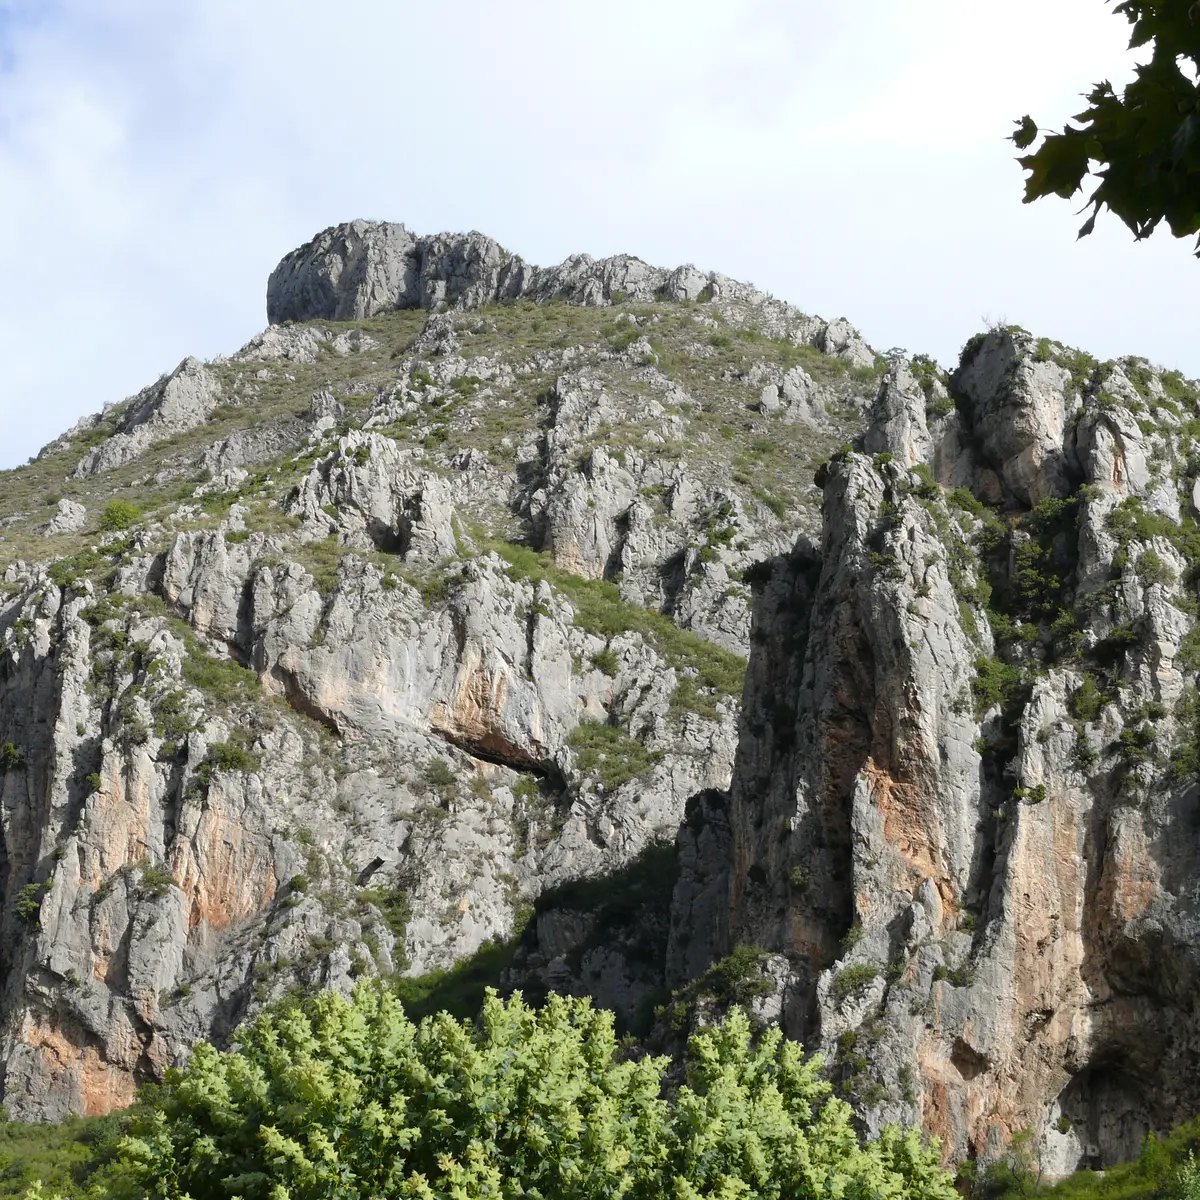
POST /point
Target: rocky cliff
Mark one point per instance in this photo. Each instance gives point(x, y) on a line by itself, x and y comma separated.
point(620, 631)
point(971, 827)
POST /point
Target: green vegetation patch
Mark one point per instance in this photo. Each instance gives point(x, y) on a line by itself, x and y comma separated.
point(1087, 700)
point(1185, 754)
point(610, 755)
point(63, 1157)
point(228, 757)
point(600, 610)
point(329, 1097)
point(29, 901)
point(852, 980)
point(322, 561)
point(395, 908)
point(735, 981)
point(222, 680)
point(460, 990)
point(996, 683)
point(71, 571)
point(119, 515)
point(1131, 522)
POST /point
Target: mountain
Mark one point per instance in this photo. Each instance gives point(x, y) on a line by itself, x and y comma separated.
point(624, 632)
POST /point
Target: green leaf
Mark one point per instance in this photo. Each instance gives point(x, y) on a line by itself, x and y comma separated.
point(1026, 133)
point(1058, 166)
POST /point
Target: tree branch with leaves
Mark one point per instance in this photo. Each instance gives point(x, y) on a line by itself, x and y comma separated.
point(1143, 145)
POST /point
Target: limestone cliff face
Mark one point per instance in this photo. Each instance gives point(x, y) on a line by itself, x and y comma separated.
point(485, 613)
point(971, 827)
point(429, 624)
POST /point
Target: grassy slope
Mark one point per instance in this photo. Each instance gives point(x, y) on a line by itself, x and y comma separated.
point(722, 431)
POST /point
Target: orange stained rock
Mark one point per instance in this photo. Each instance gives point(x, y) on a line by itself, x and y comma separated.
point(118, 825)
point(1131, 879)
point(911, 825)
point(104, 1086)
point(220, 873)
point(476, 712)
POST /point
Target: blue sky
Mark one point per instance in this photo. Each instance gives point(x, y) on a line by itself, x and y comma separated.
point(156, 161)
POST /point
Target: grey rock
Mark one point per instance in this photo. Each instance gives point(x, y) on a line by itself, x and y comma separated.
point(344, 274)
point(353, 271)
point(769, 401)
point(176, 403)
point(699, 929)
point(69, 517)
point(1112, 451)
point(1019, 414)
point(382, 501)
point(250, 447)
point(795, 395)
point(897, 422)
point(302, 344)
point(841, 339)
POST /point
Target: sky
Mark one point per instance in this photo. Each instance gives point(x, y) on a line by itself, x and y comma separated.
point(157, 160)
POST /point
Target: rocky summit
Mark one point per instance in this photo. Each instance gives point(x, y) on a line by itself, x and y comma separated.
point(622, 632)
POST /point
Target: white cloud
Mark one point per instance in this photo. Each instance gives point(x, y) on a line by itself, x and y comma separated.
point(157, 160)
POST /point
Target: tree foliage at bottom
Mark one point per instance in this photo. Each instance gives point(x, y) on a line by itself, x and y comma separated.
point(346, 1098)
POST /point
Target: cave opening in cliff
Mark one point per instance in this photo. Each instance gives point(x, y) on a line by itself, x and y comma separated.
point(390, 539)
point(1105, 1108)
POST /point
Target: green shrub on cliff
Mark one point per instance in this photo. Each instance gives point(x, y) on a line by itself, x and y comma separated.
point(119, 515)
point(610, 755)
point(347, 1098)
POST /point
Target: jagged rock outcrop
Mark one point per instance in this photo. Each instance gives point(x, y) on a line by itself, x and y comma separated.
point(176, 403)
point(898, 424)
point(353, 271)
point(376, 497)
point(69, 517)
point(1018, 406)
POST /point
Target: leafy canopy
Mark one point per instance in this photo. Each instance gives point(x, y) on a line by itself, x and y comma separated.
point(1145, 143)
point(348, 1098)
